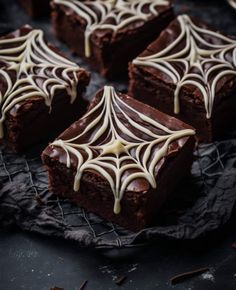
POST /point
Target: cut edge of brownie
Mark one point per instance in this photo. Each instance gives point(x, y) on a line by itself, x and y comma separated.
point(35, 116)
point(139, 210)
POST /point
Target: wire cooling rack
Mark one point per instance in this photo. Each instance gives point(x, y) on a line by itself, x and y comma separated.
point(205, 201)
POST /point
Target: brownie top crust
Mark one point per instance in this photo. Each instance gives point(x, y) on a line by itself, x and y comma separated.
point(121, 140)
point(192, 58)
point(31, 69)
point(106, 19)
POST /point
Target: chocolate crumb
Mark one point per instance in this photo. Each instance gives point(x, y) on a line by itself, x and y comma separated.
point(184, 276)
point(82, 287)
point(120, 280)
point(234, 246)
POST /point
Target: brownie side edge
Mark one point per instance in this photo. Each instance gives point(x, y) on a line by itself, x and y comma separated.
point(32, 122)
point(139, 209)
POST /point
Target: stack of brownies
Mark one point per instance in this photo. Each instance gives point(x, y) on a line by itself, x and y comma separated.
point(124, 157)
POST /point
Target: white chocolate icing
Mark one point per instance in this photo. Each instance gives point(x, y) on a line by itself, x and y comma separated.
point(232, 3)
point(112, 14)
point(30, 60)
point(119, 153)
point(204, 62)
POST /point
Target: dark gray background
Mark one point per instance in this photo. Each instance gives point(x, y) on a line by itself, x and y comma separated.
point(30, 261)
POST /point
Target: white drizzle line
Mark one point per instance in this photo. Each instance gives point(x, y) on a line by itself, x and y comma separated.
point(115, 155)
point(30, 59)
point(207, 59)
point(120, 12)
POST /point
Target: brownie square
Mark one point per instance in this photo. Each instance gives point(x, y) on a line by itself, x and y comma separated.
point(189, 72)
point(40, 90)
point(109, 34)
point(36, 8)
point(121, 160)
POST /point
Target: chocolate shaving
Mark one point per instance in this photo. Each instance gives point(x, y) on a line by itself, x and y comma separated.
point(234, 246)
point(39, 200)
point(187, 275)
point(120, 280)
point(82, 287)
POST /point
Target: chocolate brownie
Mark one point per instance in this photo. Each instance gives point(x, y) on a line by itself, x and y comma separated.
point(109, 34)
point(40, 90)
point(121, 160)
point(189, 72)
point(36, 8)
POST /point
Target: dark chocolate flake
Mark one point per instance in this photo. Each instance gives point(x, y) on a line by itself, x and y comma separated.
point(187, 275)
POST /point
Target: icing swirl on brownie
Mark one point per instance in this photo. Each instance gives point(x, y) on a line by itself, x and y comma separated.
point(29, 68)
point(121, 151)
point(205, 58)
point(112, 14)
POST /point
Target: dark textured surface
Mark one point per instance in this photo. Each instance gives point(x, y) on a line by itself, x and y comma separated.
point(36, 262)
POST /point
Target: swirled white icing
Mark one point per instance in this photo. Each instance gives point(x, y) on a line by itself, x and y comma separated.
point(29, 68)
point(119, 148)
point(111, 14)
point(205, 62)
